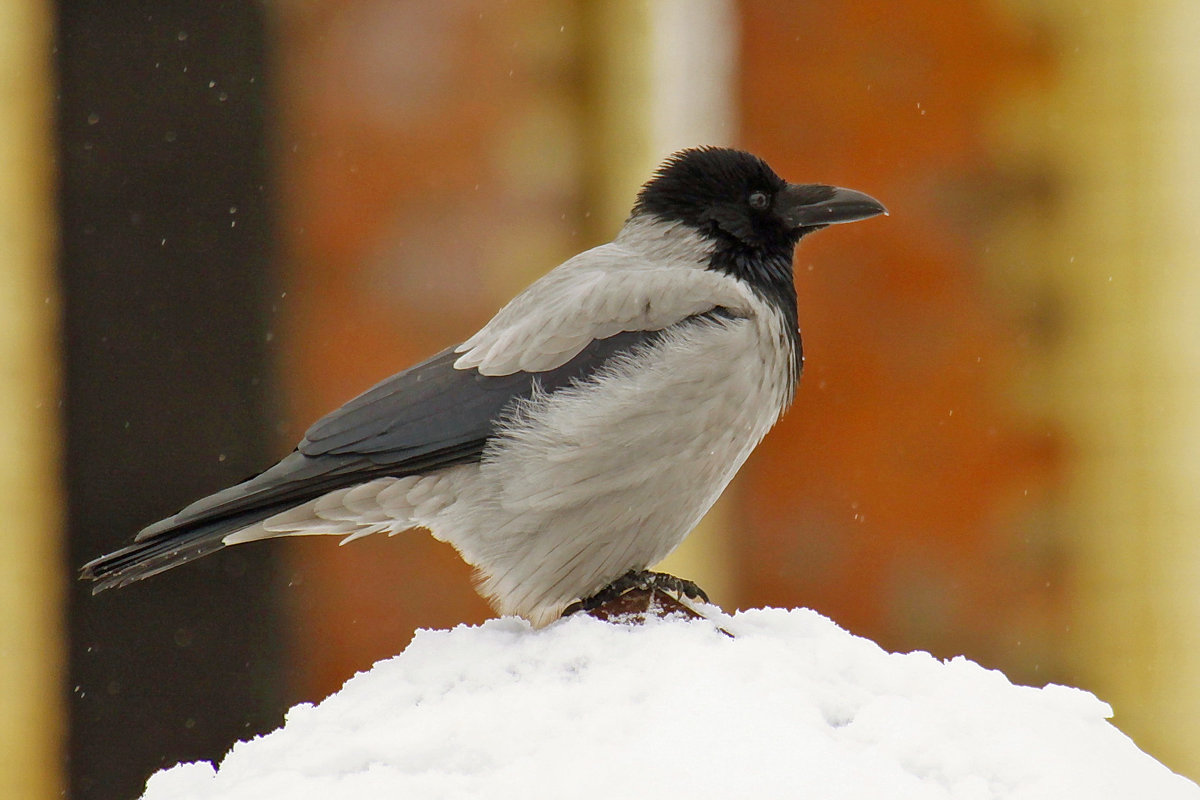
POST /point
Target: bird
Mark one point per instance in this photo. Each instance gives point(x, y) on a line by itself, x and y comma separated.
point(581, 434)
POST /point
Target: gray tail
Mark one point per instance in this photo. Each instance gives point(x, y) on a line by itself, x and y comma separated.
point(169, 549)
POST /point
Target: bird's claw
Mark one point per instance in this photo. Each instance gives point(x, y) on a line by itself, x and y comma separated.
point(638, 579)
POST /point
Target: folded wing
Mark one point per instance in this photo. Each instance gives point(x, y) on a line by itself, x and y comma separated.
point(442, 412)
point(426, 418)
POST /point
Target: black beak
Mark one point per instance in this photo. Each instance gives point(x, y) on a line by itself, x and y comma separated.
point(815, 205)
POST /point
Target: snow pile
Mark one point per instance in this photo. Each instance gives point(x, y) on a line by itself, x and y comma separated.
point(790, 706)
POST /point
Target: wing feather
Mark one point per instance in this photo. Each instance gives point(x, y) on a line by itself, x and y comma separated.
point(604, 291)
point(426, 418)
point(442, 412)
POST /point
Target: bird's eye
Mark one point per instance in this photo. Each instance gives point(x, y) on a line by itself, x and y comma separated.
point(759, 200)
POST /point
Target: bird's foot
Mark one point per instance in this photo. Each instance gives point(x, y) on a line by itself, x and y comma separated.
point(664, 582)
point(639, 587)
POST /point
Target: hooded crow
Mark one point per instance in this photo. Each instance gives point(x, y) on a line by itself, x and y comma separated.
point(583, 431)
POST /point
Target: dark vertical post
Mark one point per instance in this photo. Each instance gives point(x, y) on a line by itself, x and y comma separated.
point(167, 290)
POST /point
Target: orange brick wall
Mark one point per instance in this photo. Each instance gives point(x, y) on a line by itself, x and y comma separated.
point(430, 167)
point(427, 161)
point(905, 495)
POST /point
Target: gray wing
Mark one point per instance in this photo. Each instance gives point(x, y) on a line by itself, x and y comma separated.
point(426, 418)
point(434, 415)
point(442, 412)
point(606, 290)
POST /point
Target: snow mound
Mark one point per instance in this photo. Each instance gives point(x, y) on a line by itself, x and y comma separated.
point(789, 706)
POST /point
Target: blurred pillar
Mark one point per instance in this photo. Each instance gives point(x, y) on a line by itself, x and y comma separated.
point(166, 275)
point(31, 649)
point(662, 76)
point(1122, 125)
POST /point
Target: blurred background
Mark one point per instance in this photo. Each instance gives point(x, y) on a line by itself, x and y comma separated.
point(220, 220)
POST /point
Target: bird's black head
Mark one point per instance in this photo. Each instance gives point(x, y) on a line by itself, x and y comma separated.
point(753, 216)
point(724, 193)
point(736, 198)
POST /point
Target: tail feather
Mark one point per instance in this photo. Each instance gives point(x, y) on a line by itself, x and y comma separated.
point(168, 549)
point(202, 527)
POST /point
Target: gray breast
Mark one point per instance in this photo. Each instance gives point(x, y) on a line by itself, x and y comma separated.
point(581, 485)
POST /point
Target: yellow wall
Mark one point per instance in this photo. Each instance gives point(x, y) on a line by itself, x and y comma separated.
point(30, 547)
point(661, 77)
point(1119, 254)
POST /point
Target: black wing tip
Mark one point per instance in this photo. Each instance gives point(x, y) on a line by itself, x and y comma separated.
point(104, 583)
point(157, 554)
point(98, 568)
point(118, 568)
